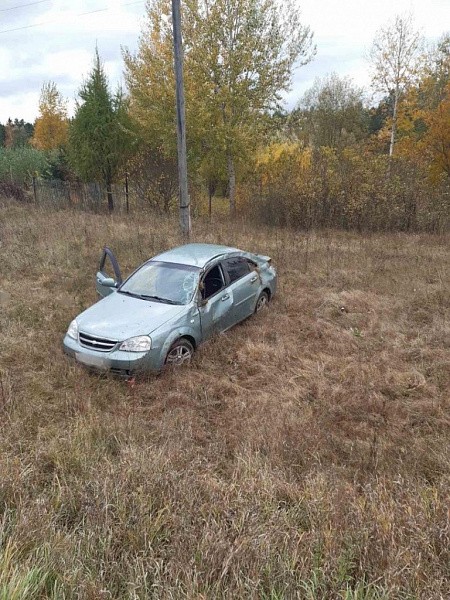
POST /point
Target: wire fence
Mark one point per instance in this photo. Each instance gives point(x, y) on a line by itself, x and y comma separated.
point(91, 197)
point(385, 208)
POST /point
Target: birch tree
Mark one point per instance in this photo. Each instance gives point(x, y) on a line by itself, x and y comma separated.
point(331, 112)
point(253, 46)
point(394, 55)
point(239, 60)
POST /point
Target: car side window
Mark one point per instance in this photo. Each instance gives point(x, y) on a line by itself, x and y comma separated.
point(236, 267)
point(212, 282)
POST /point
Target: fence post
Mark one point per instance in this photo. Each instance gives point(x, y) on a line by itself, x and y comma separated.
point(126, 192)
point(34, 189)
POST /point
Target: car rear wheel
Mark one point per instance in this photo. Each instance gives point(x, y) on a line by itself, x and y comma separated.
point(180, 353)
point(262, 301)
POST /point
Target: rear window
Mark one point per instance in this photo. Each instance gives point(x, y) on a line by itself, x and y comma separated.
point(236, 268)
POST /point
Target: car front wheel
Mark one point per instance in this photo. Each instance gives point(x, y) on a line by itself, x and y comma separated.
point(180, 353)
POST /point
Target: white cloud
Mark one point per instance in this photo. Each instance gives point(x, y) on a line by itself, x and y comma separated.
point(61, 48)
point(344, 31)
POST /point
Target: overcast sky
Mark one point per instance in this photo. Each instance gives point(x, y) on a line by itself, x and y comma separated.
point(52, 40)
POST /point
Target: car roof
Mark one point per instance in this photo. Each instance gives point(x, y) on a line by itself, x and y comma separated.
point(196, 255)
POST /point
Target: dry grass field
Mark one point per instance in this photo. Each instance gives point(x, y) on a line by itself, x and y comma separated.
point(303, 454)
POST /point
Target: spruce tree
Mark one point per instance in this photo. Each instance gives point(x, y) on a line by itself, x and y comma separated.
point(99, 136)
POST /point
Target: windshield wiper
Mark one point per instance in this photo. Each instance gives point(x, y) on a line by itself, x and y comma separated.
point(158, 299)
point(129, 294)
point(147, 297)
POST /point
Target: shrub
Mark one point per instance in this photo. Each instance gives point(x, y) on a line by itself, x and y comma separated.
point(18, 165)
point(350, 189)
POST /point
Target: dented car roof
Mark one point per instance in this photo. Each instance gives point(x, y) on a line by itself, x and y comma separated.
point(196, 255)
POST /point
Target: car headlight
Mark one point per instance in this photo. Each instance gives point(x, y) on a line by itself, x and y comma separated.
point(141, 343)
point(73, 330)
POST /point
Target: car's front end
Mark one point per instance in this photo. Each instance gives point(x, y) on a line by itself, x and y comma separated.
point(122, 357)
point(126, 334)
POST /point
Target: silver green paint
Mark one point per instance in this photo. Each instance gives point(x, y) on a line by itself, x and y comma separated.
point(118, 317)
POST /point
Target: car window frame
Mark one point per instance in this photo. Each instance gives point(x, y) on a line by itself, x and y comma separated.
point(224, 279)
point(108, 253)
point(252, 267)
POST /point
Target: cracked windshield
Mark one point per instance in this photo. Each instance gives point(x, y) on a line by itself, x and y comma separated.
point(163, 282)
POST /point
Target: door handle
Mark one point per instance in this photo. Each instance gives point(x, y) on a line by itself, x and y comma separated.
point(253, 279)
point(225, 297)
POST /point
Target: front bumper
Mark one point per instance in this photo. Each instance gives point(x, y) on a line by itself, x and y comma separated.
point(116, 361)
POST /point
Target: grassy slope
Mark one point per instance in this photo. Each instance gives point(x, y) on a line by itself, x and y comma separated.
point(304, 454)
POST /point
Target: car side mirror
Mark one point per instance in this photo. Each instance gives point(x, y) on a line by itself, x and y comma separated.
point(106, 281)
point(110, 282)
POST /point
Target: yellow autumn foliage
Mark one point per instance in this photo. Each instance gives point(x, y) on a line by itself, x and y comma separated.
point(275, 159)
point(51, 127)
point(437, 137)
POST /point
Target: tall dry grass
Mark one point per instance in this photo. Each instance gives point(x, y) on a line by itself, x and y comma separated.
point(304, 454)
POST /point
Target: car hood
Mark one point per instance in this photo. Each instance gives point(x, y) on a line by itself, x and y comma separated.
point(119, 317)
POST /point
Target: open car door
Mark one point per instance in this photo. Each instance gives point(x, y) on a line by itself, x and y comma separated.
point(108, 277)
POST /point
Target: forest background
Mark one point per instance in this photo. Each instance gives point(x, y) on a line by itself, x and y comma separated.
point(343, 157)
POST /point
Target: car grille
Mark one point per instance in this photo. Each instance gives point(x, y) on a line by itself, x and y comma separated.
point(96, 343)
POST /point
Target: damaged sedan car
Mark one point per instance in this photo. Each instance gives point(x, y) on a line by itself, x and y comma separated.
point(161, 313)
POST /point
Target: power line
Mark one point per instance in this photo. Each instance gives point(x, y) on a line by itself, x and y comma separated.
point(22, 5)
point(25, 27)
point(56, 21)
point(91, 12)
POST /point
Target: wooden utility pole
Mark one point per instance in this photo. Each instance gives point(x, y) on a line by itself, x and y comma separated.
point(185, 212)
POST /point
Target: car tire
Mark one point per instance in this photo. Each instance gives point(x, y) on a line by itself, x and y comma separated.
point(180, 353)
point(263, 300)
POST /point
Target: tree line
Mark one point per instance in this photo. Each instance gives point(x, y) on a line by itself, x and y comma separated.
point(338, 158)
